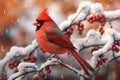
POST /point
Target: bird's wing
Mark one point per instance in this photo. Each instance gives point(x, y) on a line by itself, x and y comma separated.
point(56, 36)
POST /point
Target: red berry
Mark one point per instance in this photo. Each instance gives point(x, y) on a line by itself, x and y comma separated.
point(116, 49)
point(71, 29)
point(97, 17)
point(35, 78)
point(16, 63)
point(48, 69)
point(42, 75)
point(93, 19)
point(101, 30)
point(104, 59)
point(80, 28)
point(100, 62)
point(68, 30)
point(67, 36)
point(11, 65)
point(26, 58)
point(65, 33)
point(29, 61)
point(102, 23)
point(77, 23)
point(34, 59)
point(81, 25)
point(116, 43)
point(90, 20)
point(101, 20)
point(112, 48)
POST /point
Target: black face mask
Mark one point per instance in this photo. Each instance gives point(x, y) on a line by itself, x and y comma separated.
point(41, 23)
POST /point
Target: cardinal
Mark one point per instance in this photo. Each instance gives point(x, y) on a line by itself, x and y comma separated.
point(52, 40)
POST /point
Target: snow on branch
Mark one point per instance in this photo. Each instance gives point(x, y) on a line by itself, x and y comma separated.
point(112, 15)
point(85, 10)
point(105, 44)
point(94, 39)
point(16, 52)
point(26, 68)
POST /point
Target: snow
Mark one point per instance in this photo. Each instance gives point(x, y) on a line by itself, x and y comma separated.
point(25, 66)
point(13, 76)
point(92, 34)
point(17, 51)
point(112, 15)
point(49, 62)
point(79, 15)
point(92, 39)
point(97, 9)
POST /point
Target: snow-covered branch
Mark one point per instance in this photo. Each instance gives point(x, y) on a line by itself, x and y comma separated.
point(26, 68)
point(106, 40)
point(85, 10)
point(16, 53)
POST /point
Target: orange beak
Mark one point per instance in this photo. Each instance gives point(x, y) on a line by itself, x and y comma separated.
point(35, 23)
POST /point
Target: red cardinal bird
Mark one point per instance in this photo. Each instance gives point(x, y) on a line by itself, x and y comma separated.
point(51, 39)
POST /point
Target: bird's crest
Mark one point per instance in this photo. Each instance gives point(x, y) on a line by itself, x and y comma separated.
point(43, 15)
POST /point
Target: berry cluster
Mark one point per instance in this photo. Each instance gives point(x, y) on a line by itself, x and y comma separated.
point(3, 77)
point(114, 46)
point(32, 59)
point(68, 32)
point(42, 74)
point(97, 18)
point(80, 27)
point(102, 59)
point(14, 64)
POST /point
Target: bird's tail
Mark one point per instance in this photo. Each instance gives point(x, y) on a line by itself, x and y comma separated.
point(83, 64)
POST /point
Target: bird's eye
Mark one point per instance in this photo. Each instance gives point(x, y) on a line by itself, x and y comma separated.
point(40, 24)
point(40, 21)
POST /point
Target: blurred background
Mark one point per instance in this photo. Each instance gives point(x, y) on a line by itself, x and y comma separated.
point(17, 17)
